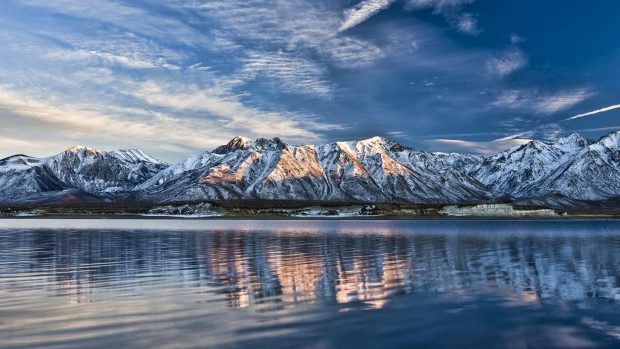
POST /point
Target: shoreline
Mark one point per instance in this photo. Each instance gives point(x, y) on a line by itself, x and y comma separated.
point(310, 218)
point(307, 211)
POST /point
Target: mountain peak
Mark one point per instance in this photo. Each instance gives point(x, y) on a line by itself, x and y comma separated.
point(573, 138)
point(234, 144)
point(611, 140)
point(134, 156)
point(80, 148)
point(269, 144)
point(18, 162)
point(239, 143)
point(376, 139)
point(383, 142)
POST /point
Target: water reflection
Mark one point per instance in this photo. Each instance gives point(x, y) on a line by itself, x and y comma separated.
point(268, 270)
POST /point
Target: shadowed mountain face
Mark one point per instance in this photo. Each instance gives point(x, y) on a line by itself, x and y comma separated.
point(77, 174)
point(97, 171)
point(374, 170)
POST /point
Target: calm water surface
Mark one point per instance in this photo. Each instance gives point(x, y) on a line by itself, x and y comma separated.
point(309, 284)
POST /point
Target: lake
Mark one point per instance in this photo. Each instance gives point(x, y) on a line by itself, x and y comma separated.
point(170, 283)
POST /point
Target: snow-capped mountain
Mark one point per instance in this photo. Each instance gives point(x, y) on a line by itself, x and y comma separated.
point(568, 171)
point(517, 171)
point(592, 174)
point(78, 168)
point(22, 176)
point(97, 171)
point(374, 169)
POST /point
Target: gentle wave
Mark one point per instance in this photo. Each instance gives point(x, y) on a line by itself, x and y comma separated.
point(231, 283)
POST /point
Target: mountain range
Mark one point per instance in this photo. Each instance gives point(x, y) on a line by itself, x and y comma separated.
point(567, 171)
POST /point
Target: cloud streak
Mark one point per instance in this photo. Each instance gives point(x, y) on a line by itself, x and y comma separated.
point(292, 74)
point(152, 125)
point(481, 148)
point(594, 112)
point(230, 111)
point(536, 102)
point(364, 10)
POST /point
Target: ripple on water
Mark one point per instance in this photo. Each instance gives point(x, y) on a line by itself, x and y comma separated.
point(325, 284)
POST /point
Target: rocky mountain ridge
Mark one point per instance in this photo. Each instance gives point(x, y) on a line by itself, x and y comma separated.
point(377, 169)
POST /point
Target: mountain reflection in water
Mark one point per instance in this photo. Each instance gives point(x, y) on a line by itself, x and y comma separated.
point(352, 266)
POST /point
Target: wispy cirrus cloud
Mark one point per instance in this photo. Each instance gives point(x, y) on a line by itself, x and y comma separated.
point(292, 74)
point(542, 103)
point(229, 111)
point(93, 123)
point(130, 60)
point(520, 135)
point(561, 101)
point(506, 63)
point(352, 53)
point(153, 125)
point(594, 112)
point(362, 11)
point(222, 68)
point(452, 11)
point(478, 147)
point(124, 18)
point(294, 26)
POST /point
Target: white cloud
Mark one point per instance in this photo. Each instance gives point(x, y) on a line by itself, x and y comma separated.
point(127, 19)
point(209, 106)
point(190, 130)
point(293, 74)
point(131, 60)
point(438, 6)
point(467, 23)
point(594, 112)
point(535, 102)
point(77, 120)
point(11, 145)
point(352, 53)
point(520, 135)
point(506, 63)
point(561, 101)
point(364, 10)
point(482, 148)
point(218, 102)
point(451, 10)
point(293, 25)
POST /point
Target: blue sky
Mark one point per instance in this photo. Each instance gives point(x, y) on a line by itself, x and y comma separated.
point(178, 77)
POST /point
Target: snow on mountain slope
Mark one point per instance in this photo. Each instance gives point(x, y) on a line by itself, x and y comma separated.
point(385, 170)
point(571, 169)
point(375, 169)
point(97, 171)
point(135, 156)
point(228, 175)
point(22, 175)
point(463, 162)
point(242, 143)
point(18, 162)
point(593, 173)
point(89, 171)
point(515, 171)
point(207, 159)
point(201, 160)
